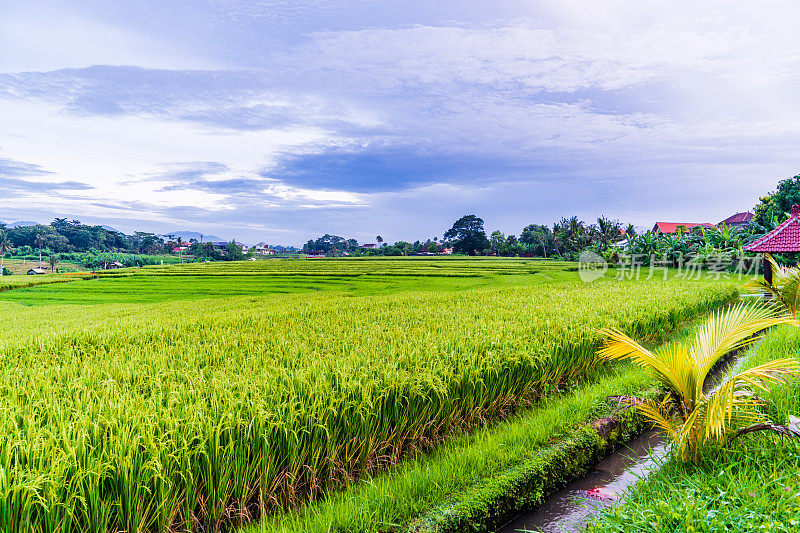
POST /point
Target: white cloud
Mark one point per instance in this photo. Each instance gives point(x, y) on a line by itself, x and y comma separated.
point(563, 103)
point(37, 37)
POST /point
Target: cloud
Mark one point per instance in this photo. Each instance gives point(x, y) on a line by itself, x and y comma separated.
point(9, 167)
point(12, 183)
point(377, 113)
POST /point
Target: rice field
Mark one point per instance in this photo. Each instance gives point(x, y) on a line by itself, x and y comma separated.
point(201, 396)
point(16, 282)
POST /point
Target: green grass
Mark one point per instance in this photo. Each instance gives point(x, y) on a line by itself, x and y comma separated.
point(197, 410)
point(752, 485)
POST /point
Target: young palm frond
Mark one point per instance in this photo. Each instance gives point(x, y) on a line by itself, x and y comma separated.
point(688, 416)
point(784, 289)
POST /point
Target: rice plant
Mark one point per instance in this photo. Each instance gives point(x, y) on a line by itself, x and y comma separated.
point(197, 415)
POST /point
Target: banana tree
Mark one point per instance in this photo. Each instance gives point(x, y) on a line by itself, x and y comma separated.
point(688, 416)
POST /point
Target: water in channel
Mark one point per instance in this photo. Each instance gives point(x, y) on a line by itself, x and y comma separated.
point(571, 508)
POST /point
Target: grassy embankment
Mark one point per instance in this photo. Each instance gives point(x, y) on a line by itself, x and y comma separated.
point(752, 485)
point(199, 410)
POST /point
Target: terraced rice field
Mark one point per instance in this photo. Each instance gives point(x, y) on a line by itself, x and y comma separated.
point(196, 397)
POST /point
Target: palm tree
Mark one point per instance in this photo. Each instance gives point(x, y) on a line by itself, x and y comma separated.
point(40, 240)
point(379, 239)
point(180, 243)
point(54, 260)
point(688, 416)
point(785, 286)
point(608, 231)
point(5, 246)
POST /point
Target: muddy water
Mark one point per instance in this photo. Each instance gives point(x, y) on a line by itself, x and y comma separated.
point(571, 508)
point(583, 499)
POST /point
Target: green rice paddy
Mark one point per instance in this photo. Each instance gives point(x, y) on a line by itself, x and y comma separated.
point(196, 397)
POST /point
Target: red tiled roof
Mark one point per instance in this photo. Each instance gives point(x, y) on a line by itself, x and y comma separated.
point(738, 218)
point(784, 238)
point(672, 227)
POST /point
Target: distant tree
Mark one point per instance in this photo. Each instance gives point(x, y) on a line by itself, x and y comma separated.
point(331, 244)
point(179, 242)
point(538, 238)
point(572, 235)
point(233, 251)
point(40, 240)
point(497, 243)
point(778, 203)
point(54, 260)
point(630, 231)
point(379, 239)
point(468, 235)
point(5, 246)
point(608, 231)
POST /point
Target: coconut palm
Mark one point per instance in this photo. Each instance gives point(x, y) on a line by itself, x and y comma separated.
point(784, 289)
point(40, 240)
point(54, 260)
point(5, 246)
point(608, 231)
point(688, 416)
point(179, 243)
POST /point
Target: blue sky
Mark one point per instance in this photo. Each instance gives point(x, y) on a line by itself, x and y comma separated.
point(282, 120)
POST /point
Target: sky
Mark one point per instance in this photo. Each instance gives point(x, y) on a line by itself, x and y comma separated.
point(282, 120)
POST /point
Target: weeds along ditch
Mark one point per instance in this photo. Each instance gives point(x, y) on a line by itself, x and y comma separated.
point(196, 415)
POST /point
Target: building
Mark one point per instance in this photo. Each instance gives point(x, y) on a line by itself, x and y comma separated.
point(113, 265)
point(36, 271)
point(739, 220)
point(673, 227)
point(263, 248)
point(369, 246)
point(315, 255)
point(785, 238)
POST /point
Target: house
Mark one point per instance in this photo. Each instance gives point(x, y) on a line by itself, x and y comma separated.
point(739, 220)
point(447, 251)
point(672, 227)
point(783, 239)
point(369, 246)
point(113, 265)
point(36, 271)
point(315, 255)
point(263, 248)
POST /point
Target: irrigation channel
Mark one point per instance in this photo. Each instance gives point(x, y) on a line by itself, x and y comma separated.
point(571, 508)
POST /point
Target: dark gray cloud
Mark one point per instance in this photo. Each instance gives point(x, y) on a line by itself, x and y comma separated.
point(389, 168)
